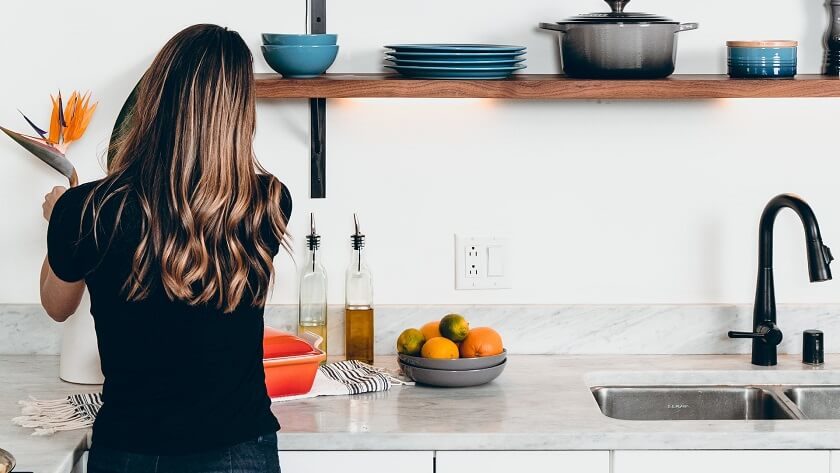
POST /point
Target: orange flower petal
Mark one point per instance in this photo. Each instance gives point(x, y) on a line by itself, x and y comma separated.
point(78, 115)
point(70, 117)
point(55, 126)
point(83, 124)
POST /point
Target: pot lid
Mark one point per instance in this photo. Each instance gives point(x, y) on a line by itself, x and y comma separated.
point(618, 15)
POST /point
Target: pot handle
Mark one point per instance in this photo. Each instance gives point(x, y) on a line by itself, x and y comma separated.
point(553, 27)
point(688, 27)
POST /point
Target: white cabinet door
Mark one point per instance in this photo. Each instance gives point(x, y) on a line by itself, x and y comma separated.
point(357, 462)
point(522, 462)
point(719, 461)
point(835, 461)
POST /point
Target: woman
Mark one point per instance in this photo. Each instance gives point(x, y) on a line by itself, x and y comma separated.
point(175, 246)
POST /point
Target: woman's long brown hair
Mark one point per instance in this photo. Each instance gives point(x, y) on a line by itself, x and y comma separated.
point(186, 155)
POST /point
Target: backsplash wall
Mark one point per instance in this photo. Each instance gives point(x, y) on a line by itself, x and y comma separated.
point(555, 329)
point(606, 202)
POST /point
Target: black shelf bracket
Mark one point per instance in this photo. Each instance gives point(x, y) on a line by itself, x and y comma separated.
point(318, 115)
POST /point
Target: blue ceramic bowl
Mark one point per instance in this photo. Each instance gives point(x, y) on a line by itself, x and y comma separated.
point(762, 59)
point(300, 62)
point(278, 39)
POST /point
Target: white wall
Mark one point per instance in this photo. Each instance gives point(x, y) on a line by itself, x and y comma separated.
point(608, 202)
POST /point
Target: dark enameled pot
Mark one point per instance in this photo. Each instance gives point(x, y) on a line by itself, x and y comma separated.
point(619, 44)
point(619, 50)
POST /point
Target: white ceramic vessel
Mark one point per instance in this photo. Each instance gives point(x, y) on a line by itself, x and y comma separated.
point(79, 352)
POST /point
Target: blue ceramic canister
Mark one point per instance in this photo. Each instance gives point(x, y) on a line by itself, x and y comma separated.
point(762, 59)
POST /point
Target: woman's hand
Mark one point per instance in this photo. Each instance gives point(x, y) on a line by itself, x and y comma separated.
point(50, 200)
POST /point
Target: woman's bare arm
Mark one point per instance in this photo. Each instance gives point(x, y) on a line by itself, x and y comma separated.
point(59, 298)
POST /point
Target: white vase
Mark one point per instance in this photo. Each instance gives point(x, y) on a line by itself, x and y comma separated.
point(79, 361)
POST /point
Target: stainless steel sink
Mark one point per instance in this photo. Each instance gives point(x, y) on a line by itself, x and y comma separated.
point(816, 402)
point(691, 403)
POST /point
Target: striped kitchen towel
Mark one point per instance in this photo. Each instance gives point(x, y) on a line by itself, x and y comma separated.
point(76, 411)
point(349, 377)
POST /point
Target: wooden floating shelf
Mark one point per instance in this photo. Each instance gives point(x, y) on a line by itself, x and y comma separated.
point(546, 86)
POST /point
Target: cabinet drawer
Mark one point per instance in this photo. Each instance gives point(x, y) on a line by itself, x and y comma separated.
point(356, 462)
point(719, 461)
point(522, 462)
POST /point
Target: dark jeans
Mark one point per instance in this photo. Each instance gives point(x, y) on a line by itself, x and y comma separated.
point(254, 456)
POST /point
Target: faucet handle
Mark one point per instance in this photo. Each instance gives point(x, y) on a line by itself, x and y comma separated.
point(768, 333)
point(827, 254)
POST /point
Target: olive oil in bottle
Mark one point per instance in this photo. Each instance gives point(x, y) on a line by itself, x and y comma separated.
point(358, 307)
point(312, 307)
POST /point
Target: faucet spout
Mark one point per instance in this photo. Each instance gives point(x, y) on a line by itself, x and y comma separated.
point(819, 255)
point(766, 336)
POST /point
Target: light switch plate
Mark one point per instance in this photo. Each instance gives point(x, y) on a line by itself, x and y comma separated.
point(482, 262)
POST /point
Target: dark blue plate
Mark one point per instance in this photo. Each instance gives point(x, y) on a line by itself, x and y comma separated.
point(456, 62)
point(419, 56)
point(456, 48)
point(418, 72)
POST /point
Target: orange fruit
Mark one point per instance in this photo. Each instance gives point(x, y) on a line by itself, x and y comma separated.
point(482, 341)
point(440, 348)
point(410, 342)
point(454, 327)
point(431, 330)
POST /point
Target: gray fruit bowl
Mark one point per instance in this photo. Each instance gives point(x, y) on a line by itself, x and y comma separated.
point(7, 461)
point(453, 379)
point(459, 364)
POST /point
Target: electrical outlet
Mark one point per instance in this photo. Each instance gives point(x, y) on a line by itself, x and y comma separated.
point(472, 262)
point(482, 262)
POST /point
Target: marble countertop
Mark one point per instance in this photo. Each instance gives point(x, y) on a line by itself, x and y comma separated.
point(544, 403)
point(539, 403)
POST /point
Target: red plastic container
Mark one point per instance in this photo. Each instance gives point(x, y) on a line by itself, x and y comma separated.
point(290, 363)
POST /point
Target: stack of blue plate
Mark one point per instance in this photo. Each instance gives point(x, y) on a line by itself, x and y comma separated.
point(455, 61)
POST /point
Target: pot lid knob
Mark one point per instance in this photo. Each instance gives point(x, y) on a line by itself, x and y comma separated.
point(617, 5)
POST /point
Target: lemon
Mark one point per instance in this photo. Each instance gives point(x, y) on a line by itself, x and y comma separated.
point(454, 327)
point(410, 342)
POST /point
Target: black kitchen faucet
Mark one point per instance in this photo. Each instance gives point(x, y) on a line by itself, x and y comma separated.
point(766, 336)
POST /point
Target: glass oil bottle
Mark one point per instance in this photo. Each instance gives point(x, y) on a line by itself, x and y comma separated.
point(358, 307)
point(312, 306)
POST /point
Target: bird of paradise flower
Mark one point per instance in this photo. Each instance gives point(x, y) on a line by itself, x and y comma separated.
point(67, 124)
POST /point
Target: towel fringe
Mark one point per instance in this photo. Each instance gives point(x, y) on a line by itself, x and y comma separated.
point(50, 416)
point(392, 375)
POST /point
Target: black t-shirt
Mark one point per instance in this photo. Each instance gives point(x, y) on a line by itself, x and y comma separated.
point(179, 379)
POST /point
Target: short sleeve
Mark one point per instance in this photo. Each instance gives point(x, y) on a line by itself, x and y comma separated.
point(286, 202)
point(69, 251)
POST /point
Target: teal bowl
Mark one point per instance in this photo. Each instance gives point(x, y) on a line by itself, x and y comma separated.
point(300, 62)
point(279, 39)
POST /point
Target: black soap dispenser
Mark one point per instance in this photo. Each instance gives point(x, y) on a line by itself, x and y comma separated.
point(813, 347)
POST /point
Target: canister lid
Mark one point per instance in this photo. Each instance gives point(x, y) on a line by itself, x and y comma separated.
point(770, 43)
